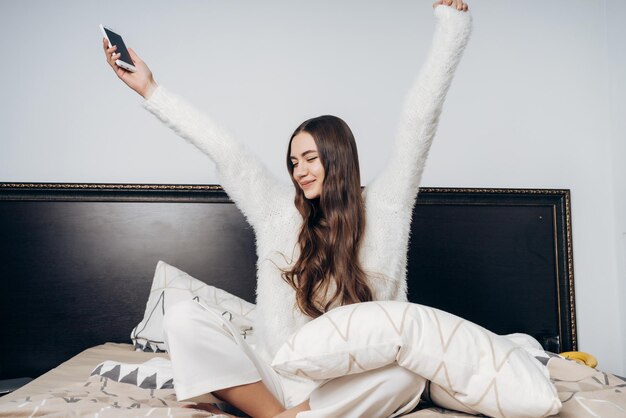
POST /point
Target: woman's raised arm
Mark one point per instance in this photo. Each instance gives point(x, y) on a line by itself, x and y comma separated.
point(389, 199)
point(248, 183)
point(398, 184)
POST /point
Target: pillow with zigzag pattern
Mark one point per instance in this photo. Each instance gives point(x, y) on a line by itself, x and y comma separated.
point(470, 368)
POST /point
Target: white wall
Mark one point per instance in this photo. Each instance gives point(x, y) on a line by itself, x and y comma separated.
point(532, 104)
point(616, 33)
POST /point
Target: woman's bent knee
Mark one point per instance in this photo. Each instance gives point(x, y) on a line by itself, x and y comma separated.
point(178, 316)
point(399, 377)
point(383, 392)
point(185, 321)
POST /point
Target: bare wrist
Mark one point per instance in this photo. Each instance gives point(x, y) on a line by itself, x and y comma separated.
point(147, 93)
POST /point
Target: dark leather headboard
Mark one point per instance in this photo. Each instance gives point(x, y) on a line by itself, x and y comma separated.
point(76, 260)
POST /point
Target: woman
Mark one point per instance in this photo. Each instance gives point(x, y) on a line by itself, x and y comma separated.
point(335, 246)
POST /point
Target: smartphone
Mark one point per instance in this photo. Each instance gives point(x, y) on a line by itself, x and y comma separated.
point(113, 38)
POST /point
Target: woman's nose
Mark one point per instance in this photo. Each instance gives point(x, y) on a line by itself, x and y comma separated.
point(300, 170)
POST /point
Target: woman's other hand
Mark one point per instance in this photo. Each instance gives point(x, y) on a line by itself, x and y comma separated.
point(457, 4)
point(141, 81)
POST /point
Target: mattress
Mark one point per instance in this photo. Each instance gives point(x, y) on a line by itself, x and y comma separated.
point(76, 369)
point(70, 390)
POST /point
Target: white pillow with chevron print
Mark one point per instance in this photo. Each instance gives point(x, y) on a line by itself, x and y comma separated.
point(471, 368)
point(170, 286)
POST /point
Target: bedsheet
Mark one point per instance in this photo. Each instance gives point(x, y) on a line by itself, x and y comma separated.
point(69, 390)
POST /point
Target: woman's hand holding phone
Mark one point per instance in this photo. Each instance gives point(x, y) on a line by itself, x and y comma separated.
point(141, 80)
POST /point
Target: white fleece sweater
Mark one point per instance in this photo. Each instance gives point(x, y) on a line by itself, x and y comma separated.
point(268, 204)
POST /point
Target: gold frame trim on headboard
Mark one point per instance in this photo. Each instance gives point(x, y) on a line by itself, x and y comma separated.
point(111, 186)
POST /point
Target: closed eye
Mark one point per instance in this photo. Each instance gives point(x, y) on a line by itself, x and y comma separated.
point(294, 163)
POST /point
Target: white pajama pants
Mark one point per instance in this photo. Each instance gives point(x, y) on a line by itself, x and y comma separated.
point(208, 354)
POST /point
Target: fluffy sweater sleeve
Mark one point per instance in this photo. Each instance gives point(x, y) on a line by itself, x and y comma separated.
point(390, 197)
point(245, 179)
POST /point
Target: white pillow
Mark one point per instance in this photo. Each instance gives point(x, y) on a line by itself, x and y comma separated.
point(473, 368)
point(170, 286)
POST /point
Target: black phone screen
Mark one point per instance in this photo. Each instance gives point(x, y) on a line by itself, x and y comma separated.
point(116, 39)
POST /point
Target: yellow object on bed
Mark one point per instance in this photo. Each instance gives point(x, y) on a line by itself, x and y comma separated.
point(581, 357)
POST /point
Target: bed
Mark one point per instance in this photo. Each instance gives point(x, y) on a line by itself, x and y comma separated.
point(77, 263)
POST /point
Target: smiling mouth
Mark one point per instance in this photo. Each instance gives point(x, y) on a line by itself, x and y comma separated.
point(308, 183)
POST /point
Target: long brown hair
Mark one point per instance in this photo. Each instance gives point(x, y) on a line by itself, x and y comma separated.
point(333, 224)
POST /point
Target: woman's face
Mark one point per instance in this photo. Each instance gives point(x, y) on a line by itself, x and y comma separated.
point(308, 170)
